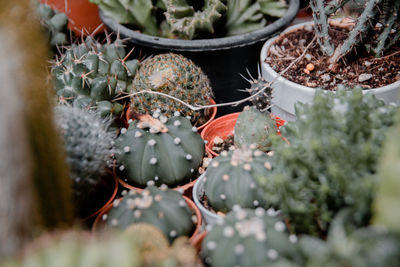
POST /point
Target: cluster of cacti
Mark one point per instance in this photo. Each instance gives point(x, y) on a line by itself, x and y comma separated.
point(138, 246)
point(377, 27)
point(34, 185)
point(88, 145)
point(331, 160)
point(194, 19)
point(162, 207)
point(55, 24)
point(158, 149)
point(91, 75)
point(231, 179)
point(174, 75)
point(254, 127)
point(247, 237)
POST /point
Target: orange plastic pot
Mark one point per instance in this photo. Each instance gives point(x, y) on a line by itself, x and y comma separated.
point(99, 223)
point(83, 16)
point(197, 241)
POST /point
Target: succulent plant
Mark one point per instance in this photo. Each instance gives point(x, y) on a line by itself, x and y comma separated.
point(91, 75)
point(162, 207)
point(231, 179)
point(246, 237)
point(166, 151)
point(55, 24)
point(254, 127)
point(35, 193)
point(261, 91)
point(331, 161)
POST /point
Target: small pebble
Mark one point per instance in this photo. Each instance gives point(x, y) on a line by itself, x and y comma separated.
point(364, 77)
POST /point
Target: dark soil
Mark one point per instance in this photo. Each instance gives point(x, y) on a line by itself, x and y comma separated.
point(378, 72)
point(225, 146)
point(204, 200)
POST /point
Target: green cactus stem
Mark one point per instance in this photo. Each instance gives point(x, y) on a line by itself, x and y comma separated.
point(321, 27)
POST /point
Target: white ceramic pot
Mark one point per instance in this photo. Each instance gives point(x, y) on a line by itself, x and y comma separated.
point(286, 93)
point(198, 191)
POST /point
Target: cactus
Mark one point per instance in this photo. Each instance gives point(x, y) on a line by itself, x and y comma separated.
point(55, 24)
point(174, 75)
point(162, 207)
point(254, 127)
point(261, 91)
point(166, 151)
point(246, 237)
point(331, 161)
point(34, 185)
point(89, 147)
point(231, 179)
point(91, 75)
point(188, 23)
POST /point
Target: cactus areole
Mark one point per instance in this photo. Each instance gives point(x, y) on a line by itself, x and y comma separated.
point(166, 151)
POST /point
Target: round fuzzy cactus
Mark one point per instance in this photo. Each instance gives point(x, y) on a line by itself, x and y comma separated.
point(166, 151)
point(254, 127)
point(162, 207)
point(246, 237)
point(174, 75)
point(231, 179)
point(91, 75)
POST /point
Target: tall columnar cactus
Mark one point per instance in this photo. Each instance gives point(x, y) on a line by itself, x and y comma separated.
point(249, 238)
point(91, 75)
point(365, 30)
point(254, 127)
point(166, 151)
point(34, 184)
point(174, 75)
point(231, 179)
point(162, 207)
point(331, 161)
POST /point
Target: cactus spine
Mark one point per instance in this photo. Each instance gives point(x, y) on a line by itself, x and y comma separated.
point(34, 185)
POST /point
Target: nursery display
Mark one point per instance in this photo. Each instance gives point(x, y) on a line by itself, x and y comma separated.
point(352, 51)
point(331, 160)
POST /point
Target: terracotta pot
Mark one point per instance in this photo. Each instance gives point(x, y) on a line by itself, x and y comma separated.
point(210, 111)
point(197, 241)
point(83, 16)
point(99, 224)
point(224, 127)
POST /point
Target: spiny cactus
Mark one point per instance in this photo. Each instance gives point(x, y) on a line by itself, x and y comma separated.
point(231, 179)
point(246, 237)
point(262, 92)
point(331, 161)
point(377, 28)
point(166, 151)
point(91, 75)
point(162, 207)
point(55, 24)
point(89, 146)
point(187, 22)
point(254, 127)
point(174, 75)
point(35, 192)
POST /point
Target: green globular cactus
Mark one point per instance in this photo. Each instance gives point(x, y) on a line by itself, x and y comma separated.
point(331, 161)
point(174, 75)
point(55, 24)
point(162, 207)
point(189, 23)
point(231, 179)
point(261, 91)
point(254, 127)
point(91, 75)
point(246, 237)
point(166, 151)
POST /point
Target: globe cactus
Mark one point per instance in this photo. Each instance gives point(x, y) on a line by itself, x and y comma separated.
point(162, 207)
point(166, 151)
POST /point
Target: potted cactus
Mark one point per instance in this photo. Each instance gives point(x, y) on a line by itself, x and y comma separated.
point(351, 51)
point(219, 55)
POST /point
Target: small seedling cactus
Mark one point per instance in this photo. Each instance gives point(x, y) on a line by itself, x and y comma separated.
point(246, 237)
point(174, 75)
point(261, 91)
point(165, 151)
point(231, 179)
point(254, 127)
point(162, 207)
point(91, 75)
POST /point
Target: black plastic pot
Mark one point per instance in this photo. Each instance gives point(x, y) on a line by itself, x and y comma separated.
point(222, 59)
